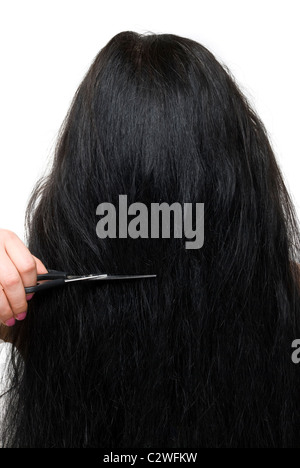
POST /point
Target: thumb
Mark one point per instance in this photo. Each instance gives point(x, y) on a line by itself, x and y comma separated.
point(40, 267)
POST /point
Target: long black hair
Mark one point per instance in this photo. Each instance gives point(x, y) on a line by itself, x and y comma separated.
point(201, 355)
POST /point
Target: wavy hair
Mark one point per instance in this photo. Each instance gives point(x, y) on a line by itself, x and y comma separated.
point(201, 355)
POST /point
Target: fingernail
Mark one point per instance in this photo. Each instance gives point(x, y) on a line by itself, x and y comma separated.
point(10, 322)
point(29, 296)
point(21, 316)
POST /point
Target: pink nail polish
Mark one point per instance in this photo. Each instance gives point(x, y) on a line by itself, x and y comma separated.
point(29, 296)
point(21, 316)
point(10, 322)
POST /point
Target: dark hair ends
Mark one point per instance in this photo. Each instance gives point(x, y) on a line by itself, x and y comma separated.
point(200, 356)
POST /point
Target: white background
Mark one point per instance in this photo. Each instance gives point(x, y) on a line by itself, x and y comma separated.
point(47, 46)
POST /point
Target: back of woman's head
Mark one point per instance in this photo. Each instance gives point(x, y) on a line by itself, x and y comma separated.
point(200, 355)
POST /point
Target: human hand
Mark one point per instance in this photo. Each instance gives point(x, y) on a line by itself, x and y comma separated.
point(18, 269)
